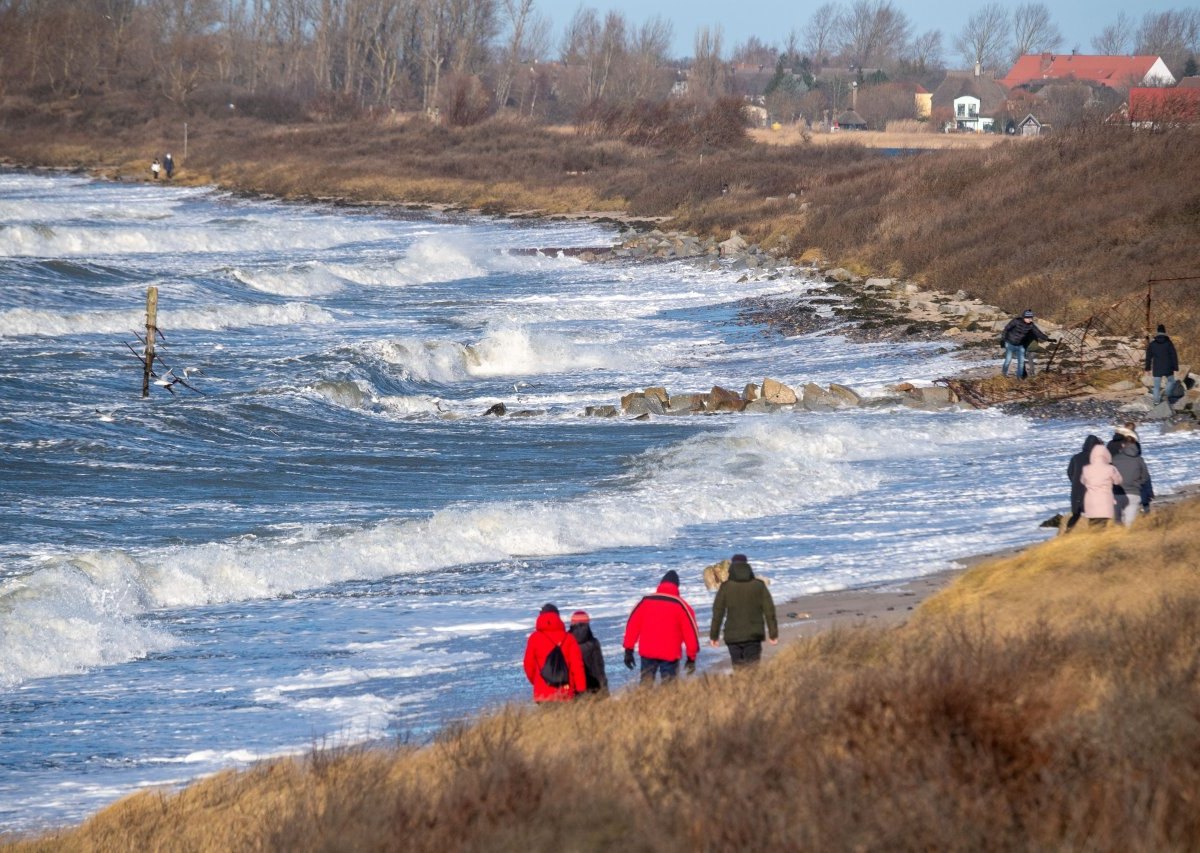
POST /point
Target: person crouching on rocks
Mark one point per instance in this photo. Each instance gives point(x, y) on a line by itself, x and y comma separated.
point(589, 647)
point(745, 605)
point(658, 626)
point(553, 662)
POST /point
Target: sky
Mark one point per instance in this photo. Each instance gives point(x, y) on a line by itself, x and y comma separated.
point(771, 20)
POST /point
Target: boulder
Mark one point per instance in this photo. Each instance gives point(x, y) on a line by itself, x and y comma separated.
point(760, 406)
point(848, 396)
point(686, 403)
point(1123, 385)
point(733, 246)
point(720, 395)
point(1160, 412)
point(750, 392)
point(527, 413)
point(879, 284)
point(839, 274)
point(640, 404)
point(774, 391)
point(601, 411)
point(938, 395)
point(497, 410)
point(816, 397)
point(660, 393)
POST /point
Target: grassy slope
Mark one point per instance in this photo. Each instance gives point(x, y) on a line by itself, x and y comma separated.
point(1049, 700)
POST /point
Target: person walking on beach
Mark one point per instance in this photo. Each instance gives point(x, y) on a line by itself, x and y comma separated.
point(1134, 476)
point(1098, 478)
point(1162, 361)
point(169, 165)
point(155, 168)
point(567, 676)
point(1017, 336)
point(745, 605)
point(589, 647)
point(1074, 471)
point(658, 626)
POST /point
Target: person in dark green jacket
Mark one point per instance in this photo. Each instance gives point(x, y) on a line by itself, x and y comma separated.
point(745, 605)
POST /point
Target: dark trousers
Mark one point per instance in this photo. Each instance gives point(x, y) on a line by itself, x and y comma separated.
point(743, 654)
point(666, 669)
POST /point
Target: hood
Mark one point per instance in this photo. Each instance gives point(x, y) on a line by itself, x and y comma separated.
point(740, 571)
point(1090, 442)
point(1160, 338)
point(1131, 448)
point(582, 632)
point(668, 588)
point(551, 623)
point(1099, 455)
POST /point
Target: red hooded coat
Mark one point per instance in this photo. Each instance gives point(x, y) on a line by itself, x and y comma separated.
point(548, 633)
point(661, 623)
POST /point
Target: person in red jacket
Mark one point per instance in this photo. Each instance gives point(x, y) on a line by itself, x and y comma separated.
point(549, 633)
point(658, 626)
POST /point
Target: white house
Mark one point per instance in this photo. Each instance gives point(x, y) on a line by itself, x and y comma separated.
point(967, 115)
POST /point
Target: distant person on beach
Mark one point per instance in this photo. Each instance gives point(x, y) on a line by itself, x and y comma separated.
point(1074, 472)
point(745, 605)
point(548, 635)
point(1162, 361)
point(1098, 478)
point(1016, 338)
point(658, 626)
point(169, 165)
point(155, 168)
point(589, 647)
point(1134, 476)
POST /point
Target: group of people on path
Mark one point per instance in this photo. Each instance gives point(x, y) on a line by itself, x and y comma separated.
point(165, 166)
point(1109, 482)
point(563, 663)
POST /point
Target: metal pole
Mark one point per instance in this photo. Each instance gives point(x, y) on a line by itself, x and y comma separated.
point(185, 140)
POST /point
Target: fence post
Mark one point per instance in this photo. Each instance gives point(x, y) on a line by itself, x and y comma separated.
point(151, 334)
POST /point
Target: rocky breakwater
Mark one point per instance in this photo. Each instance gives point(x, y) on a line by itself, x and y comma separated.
point(734, 253)
point(769, 396)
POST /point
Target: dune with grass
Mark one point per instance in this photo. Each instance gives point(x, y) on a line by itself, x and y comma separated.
point(1044, 700)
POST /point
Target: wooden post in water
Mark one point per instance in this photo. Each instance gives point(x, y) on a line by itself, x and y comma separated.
point(151, 334)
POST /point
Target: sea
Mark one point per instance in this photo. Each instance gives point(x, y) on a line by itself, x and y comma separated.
point(324, 541)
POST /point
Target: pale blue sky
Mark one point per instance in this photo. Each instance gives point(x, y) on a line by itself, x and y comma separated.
point(770, 20)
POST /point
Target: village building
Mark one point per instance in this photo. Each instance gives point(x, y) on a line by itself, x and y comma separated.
point(968, 101)
point(1159, 108)
point(1116, 72)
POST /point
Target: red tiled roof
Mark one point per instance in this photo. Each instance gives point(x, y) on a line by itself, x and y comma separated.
point(1109, 70)
point(1177, 105)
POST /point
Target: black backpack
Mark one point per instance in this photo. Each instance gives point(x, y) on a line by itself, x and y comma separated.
point(554, 670)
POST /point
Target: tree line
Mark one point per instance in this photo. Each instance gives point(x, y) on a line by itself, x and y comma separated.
point(465, 59)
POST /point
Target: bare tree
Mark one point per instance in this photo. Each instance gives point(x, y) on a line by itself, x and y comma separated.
point(1174, 35)
point(1033, 31)
point(821, 31)
point(516, 15)
point(983, 42)
point(646, 74)
point(754, 51)
point(872, 31)
point(1116, 38)
point(594, 47)
point(924, 52)
point(183, 52)
point(708, 73)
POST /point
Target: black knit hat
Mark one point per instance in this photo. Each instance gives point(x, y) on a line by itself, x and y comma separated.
point(671, 576)
point(1162, 330)
point(738, 558)
point(549, 608)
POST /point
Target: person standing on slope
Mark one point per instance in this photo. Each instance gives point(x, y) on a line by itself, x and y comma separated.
point(1098, 478)
point(549, 634)
point(593, 655)
point(658, 626)
point(1162, 361)
point(1074, 471)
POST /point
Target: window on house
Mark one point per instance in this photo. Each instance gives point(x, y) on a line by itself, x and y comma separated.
point(962, 110)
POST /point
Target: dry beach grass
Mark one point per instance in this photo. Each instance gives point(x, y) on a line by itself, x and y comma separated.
point(1047, 700)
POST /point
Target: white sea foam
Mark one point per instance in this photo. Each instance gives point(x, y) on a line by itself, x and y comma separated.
point(83, 612)
point(502, 351)
point(18, 322)
point(300, 280)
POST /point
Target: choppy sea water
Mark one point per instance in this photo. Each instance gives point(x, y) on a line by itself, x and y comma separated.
point(330, 544)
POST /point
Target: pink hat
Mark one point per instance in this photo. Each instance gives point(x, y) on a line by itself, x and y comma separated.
point(580, 617)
